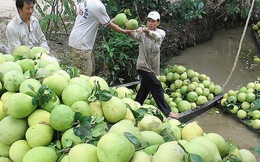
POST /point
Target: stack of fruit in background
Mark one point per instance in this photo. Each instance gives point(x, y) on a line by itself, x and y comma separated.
point(185, 88)
point(50, 114)
point(244, 103)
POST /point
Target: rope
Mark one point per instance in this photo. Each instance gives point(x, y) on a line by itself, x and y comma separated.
point(240, 45)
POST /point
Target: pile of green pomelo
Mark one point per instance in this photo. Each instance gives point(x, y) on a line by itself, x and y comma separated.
point(50, 113)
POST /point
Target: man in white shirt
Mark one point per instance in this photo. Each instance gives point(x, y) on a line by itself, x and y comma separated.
point(25, 29)
point(91, 13)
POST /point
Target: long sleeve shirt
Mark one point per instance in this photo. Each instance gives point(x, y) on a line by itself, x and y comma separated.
point(18, 33)
point(149, 50)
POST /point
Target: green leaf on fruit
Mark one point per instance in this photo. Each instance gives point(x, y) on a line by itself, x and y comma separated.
point(195, 158)
point(133, 140)
point(43, 96)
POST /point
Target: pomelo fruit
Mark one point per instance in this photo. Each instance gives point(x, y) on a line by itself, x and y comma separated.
point(83, 152)
point(141, 156)
point(2, 110)
point(218, 90)
point(152, 138)
point(69, 136)
point(151, 123)
point(247, 155)
point(39, 135)
point(62, 117)
point(132, 103)
point(14, 129)
point(219, 142)
point(5, 159)
point(2, 58)
point(96, 108)
point(120, 19)
point(9, 58)
point(127, 126)
point(52, 68)
point(4, 149)
point(12, 80)
point(24, 87)
point(169, 151)
point(114, 147)
point(40, 154)
point(39, 116)
point(202, 140)
point(98, 80)
point(26, 64)
point(82, 82)
point(130, 116)
point(191, 130)
point(9, 66)
point(56, 82)
point(82, 107)
point(132, 24)
point(114, 109)
point(19, 105)
point(183, 105)
point(78, 92)
point(122, 92)
point(47, 59)
point(63, 73)
point(36, 51)
point(192, 96)
point(21, 52)
point(49, 106)
point(18, 149)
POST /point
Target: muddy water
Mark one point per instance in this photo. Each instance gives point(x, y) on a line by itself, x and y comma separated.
point(216, 59)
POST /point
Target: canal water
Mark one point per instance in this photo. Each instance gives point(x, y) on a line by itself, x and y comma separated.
point(216, 58)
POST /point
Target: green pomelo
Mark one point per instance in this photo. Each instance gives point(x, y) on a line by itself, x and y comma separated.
point(2, 58)
point(41, 73)
point(36, 51)
point(12, 129)
point(176, 130)
point(83, 152)
point(78, 92)
point(52, 68)
point(63, 73)
point(18, 149)
point(12, 80)
point(218, 90)
point(201, 100)
point(127, 126)
point(56, 82)
point(250, 97)
point(120, 19)
point(91, 83)
point(184, 76)
point(47, 59)
point(198, 149)
point(130, 116)
point(192, 96)
point(26, 64)
point(70, 139)
point(9, 66)
point(5, 159)
point(27, 84)
point(6, 95)
point(98, 80)
point(181, 69)
point(4, 149)
point(82, 107)
point(19, 105)
point(219, 142)
point(141, 156)
point(62, 118)
point(65, 158)
point(21, 51)
point(132, 103)
point(96, 108)
point(152, 138)
point(39, 116)
point(123, 92)
point(169, 151)
point(247, 156)
point(82, 82)
point(39, 135)
point(202, 140)
point(132, 24)
point(191, 130)
point(151, 123)
point(49, 106)
point(114, 109)
point(2, 110)
point(9, 58)
point(184, 106)
point(40, 154)
point(114, 147)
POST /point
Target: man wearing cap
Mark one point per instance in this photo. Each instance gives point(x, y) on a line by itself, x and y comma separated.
point(148, 62)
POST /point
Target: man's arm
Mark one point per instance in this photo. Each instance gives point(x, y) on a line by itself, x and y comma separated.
point(115, 27)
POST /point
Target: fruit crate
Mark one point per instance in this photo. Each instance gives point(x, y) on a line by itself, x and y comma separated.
point(235, 117)
point(190, 114)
